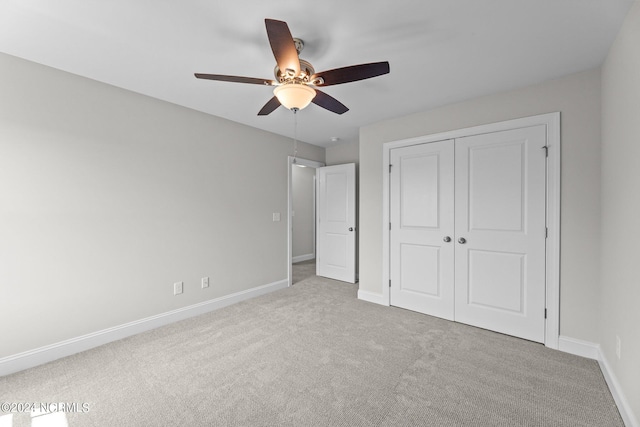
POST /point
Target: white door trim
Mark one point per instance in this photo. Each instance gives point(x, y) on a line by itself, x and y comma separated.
point(552, 123)
point(310, 164)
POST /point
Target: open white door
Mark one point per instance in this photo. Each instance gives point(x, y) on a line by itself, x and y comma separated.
point(336, 222)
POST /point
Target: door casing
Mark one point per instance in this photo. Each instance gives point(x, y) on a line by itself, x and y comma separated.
point(552, 285)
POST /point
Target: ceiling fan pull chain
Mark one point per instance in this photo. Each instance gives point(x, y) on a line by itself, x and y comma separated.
point(295, 134)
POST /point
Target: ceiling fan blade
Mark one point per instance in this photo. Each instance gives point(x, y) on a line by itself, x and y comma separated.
point(269, 107)
point(352, 73)
point(235, 79)
point(282, 45)
point(329, 102)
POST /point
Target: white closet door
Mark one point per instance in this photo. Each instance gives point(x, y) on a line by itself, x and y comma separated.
point(336, 251)
point(421, 222)
point(500, 231)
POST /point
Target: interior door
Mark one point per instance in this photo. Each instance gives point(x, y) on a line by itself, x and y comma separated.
point(336, 222)
point(500, 231)
point(421, 229)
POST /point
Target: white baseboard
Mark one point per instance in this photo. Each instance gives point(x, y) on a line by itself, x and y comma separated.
point(372, 297)
point(301, 258)
point(39, 356)
point(626, 412)
point(594, 351)
point(578, 347)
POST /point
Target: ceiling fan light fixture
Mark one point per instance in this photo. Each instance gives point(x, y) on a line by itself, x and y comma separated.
point(294, 95)
point(295, 78)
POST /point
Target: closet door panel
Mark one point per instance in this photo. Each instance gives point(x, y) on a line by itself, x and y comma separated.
point(421, 217)
point(500, 231)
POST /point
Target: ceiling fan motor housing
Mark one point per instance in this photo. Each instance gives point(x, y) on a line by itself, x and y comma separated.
point(306, 71)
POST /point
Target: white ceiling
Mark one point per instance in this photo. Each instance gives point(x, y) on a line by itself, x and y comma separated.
point(440, 51)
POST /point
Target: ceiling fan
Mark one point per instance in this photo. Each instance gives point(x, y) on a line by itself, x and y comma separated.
point(296, 81)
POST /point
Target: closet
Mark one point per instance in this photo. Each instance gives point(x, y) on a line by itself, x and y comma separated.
point(468, 229)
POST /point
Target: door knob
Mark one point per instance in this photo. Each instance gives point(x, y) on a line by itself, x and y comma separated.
point(447, 239)
point(462, 240)
point(350, 228)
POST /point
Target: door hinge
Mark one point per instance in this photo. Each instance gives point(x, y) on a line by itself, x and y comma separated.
point(546, 232)
point(389, 282)
point(546, 150)
point(389, 226)
point(545, 313)
point(390, 168)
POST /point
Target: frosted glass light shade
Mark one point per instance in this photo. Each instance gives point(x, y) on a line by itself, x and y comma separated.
point(294, 95)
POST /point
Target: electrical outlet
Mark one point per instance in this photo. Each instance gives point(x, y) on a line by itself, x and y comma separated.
point(205, 282)
point(618, 346)
point(177, 288)
point(276, 216)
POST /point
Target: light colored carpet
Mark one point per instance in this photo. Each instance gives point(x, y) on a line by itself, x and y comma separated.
point(303, 270)
point(314, 355)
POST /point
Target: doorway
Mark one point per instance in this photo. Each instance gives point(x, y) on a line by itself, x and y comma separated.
point(301, 218)
point(334, 235)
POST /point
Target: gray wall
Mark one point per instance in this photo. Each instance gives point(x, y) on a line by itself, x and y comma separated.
point(108, 197)
point(577, 97)
point(346, 152)
point(302, 193)
point(621, 207)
